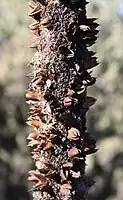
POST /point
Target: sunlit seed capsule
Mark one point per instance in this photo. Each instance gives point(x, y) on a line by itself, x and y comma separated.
point(73, 134)
point(33, 179)
point(32, 136)
point(34, 172)
point(73, 152)
point(67, 101)
point(75, 174)
point(84, 28)
point(48, 146)
point(70, 92)
point(34, 26)
point(36, 10)
point(68, 165)
point(34, 122)
point(82, 90)
point(33, 143)
point(32, 95)
point(31, 4)
point(65, 187)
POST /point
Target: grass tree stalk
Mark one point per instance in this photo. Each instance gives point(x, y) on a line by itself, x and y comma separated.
point(57, 95)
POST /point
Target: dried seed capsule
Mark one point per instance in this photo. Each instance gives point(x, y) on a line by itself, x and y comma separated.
point(33, 143)
point(73, 134)
point(48, 146)
point(36, 10)
point(34, 26)
point(34, 122)
point(67, 101)
point(32, 95)
point(73, 152)
point(84, 28)
point(64, 187)
point(75, 174)
point(68, 165)
point(32, 136)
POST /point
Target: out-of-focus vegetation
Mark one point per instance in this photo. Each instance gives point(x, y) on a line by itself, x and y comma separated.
point(104, 119)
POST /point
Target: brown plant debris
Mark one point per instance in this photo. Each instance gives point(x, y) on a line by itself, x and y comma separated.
point(58, 99)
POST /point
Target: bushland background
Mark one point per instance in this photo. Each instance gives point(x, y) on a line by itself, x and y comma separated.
point(105, 119)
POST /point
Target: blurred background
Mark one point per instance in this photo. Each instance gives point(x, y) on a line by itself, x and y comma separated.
point(105, 119)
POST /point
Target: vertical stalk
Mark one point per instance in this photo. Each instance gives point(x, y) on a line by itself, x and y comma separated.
point(58, 98)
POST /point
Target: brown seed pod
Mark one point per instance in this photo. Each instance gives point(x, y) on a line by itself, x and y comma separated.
point(33, 143)
point(32, 136)
point(67, 101)
point(65, 187)
point(75, 174)
point(73, 152)
point(32, 95)
point(36, 10)
point(33, 179)
point(33, 172)
point(68, 165)
point(34, 28)
point(73, 134)
point(70, 92)
point(36, 122)
point(84, 28)
point(48, 146)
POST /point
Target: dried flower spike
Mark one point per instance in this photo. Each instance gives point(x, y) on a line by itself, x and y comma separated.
point(58, 98)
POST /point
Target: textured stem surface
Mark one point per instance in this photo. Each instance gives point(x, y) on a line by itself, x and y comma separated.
point(58, 98)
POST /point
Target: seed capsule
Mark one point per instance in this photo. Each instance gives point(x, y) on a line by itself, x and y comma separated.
point(73, 152)
point(32, 136)
point(32, 95)
point(73, 134)
point(67, 101)
point(84, 28)
point(48, 146)
point(75, 174)
point(65, 187)
point(36, 10)
point(68, 165)
point(34, 26)
point(34, 122)
point(33, 143)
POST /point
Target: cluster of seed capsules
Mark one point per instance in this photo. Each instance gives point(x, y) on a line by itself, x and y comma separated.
point(57, 95)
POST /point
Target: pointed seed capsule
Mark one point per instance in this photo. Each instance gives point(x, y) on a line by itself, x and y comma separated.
point(48, 146)
point(84, 28)
point(73, 152)
point(32, 95)
point(36, 10)
point(73, 134)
